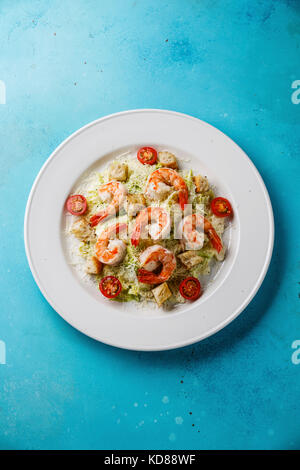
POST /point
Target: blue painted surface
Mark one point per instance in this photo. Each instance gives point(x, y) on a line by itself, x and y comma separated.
point(229, 63)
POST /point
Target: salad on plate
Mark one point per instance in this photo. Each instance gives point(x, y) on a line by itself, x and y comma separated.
point(145, 230)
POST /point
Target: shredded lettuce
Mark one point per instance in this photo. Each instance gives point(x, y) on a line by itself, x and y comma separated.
point(189, 181)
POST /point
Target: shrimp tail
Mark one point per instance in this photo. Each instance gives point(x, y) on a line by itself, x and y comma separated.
point(135, 237)
point(134, 240)
point(183, 199)
point(147, 277)
point(215, 240)
point(95, 219)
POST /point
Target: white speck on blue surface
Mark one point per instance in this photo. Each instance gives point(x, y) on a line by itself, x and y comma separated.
point(178, 420)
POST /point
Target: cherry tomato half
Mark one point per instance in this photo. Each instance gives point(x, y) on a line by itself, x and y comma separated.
point(110, 287)
point(221, 207)
point(76, 204)
point(147, 155)
point(190, 288)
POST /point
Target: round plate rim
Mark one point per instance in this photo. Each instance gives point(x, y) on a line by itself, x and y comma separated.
point(211, 331)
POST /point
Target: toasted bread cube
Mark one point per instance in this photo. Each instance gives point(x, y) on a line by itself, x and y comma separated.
point(161, 293)
point(135, 203)
point(201, 184)
point(82, 230)
point(93, 266)
point(118, 171)
point(190, 259)
point(136, 199)
point(168, 159)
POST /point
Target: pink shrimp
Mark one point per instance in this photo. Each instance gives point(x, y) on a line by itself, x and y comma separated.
point(113, 192)
point(193, 238)
point(161, 180)
point(109, 250)
point(151, 259)
point(156, 220)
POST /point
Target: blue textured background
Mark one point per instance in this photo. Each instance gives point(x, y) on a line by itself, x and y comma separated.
point(230, 63)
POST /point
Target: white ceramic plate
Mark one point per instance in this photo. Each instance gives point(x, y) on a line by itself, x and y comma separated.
point(249, 239)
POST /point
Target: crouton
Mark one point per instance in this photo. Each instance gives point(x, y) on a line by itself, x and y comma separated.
point(167, 159)
point(82, 230)
point(135, 203)
point(93, 266)
point(118, 171)
point(190, 259)
point(161, 293)
point(201, 184)
point(136, 199)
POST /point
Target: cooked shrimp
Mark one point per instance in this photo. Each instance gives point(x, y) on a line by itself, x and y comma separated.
point(193, 238)
point(154, 220)
point(161, 180)
point(151, 259)
point(114, 193)
point(110, 250)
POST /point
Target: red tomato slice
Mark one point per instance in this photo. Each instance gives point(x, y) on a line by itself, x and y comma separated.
point(110, 287)
point(221, 207)
point(76, 204)
point(147, 155)
point(190, 288)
